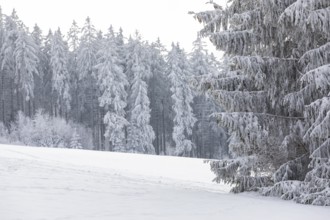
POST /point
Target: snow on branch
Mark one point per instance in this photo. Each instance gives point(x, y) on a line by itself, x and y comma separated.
point(252, 66)
point(287, 190)
point(318, 77)
point(315, 84)
point(213, 21)
point(292, 170)
point(240, 101)
point(315, 58)
point(246, 20)
point(307, 13)
point(319, 20)
point(273, 9)
point(264, 69)
point(321, 198)
point(234, 42)
point(318, 112)
point(242, 6)
point(239, 172)
point(323, 151)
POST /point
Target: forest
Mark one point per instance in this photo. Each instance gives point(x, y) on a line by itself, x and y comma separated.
point(104, 91)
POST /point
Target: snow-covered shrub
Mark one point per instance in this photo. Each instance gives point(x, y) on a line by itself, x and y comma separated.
point(20, 130)
point(45, 131)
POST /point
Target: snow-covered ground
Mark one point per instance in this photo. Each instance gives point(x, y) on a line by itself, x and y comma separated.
point(49, 183)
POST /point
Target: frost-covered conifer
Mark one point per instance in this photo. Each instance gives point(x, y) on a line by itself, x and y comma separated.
point(210, 140)
point(73, 43)
point(10, 35)
point(48, 103)
point(199, 58)
point(140, 132)
point(38, 39)
point(112, 82)
point(26, 63)
point(160, 96)
point(310, 31)
point(73, 36)
point(19, 62)
point(87, 50)
point(60, 73)
point(2, 74)
point(88, 92)
point(274, 90)
point(184, 119)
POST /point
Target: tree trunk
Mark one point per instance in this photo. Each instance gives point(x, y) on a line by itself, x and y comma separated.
point(55, 110)
point(164, 132)
point(102, 129)
point(12, 111)
point(17, 98)
point(3, 97)
point(157, 139)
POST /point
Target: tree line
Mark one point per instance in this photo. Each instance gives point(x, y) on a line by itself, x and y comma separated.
point(130, 95)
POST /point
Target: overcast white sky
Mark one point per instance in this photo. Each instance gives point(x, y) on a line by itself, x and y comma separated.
point(167, 19)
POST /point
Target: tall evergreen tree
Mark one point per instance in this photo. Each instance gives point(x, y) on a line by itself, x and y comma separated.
point(10, 88)
point(26, 67)
point(274, 93)
point(184, 119)
point(86, 60)
point(73, 43)
point(2, 72)
point(112, 82)
point(160, 96)
point(39, 94)
point(210, 140)
point(140, 133)
point(47, 81)
point(73, 36)
point(60, 77)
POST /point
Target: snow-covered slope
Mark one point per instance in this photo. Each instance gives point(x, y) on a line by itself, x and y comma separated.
point(49, 183)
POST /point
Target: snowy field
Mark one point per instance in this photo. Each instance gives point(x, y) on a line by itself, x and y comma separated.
point(49, 183)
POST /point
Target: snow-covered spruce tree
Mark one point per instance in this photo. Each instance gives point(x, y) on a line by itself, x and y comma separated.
point(73, 43)
point(9, 89)
point(120, 46)
point(87, 50)
point(26, 68)
point(73, 36)
point(88, 92)
point(48, 99)
point(140, 132)
point(311, 32)
point(251, 89)
point(112, 82)
point(210, 140)
point(184, 119)
point(39, 97)
point(19, 64)
point(60, 74)
point(2, 73)
point(160, 96)
point(272, 89)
